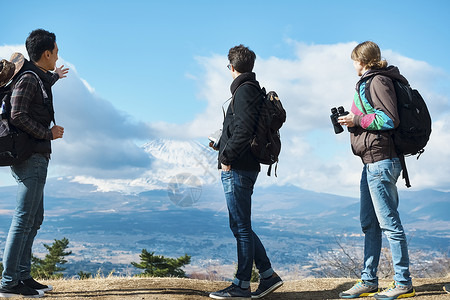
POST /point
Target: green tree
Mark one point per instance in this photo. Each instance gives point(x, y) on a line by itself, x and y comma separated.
point(160, 266)
point(49, 267)
point(255, 274)
point(84, 275)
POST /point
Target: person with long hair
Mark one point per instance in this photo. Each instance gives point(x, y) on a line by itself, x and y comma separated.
point(372, 120)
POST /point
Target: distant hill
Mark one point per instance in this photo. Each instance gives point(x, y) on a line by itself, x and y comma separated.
point(178, 207)
point(108, 230)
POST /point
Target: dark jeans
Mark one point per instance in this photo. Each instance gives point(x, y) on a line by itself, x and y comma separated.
point(28, 216)
point(238, 188)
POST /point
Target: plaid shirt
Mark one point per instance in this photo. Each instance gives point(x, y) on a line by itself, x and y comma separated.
point(23, 95)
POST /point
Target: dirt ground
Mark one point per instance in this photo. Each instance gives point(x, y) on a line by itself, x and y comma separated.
point(177, 288)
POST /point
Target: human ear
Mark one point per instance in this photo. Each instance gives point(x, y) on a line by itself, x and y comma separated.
point(47, 54)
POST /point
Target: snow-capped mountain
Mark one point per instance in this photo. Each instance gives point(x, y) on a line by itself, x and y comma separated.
point(172, 160)
point(182, 154)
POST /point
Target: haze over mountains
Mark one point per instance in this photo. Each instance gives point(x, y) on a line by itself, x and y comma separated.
point(178, 207)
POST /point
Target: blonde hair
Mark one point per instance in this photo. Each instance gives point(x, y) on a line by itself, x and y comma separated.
point(369, 55)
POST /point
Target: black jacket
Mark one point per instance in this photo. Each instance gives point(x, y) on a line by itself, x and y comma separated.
point(239, 125)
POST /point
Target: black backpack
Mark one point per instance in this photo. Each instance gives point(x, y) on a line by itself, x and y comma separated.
point(266, 143)
point(412, 134)
point(15, 144)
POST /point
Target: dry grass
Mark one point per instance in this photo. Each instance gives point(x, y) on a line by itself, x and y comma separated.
point(177, 288)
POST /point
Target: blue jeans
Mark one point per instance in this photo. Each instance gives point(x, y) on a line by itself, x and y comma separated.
point(379, 203)
point(238, 188)
point(28, 216)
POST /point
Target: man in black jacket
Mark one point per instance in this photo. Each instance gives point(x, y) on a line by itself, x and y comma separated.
point(31, 112)
point(239, 172)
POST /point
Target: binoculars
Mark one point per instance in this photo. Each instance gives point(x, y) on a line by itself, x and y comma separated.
point(335, 114)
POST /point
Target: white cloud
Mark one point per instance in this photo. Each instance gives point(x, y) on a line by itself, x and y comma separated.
point(88, 86)
point(318, 78)
point(99, 140)
point(7, 50)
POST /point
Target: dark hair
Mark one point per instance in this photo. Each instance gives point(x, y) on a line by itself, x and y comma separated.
point(38, 42)
point(242, 58)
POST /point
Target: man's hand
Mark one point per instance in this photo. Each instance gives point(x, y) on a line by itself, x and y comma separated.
point(226, 167)
point(57, 132)
point(62, 72)
point(347, 120)
point(211, 144)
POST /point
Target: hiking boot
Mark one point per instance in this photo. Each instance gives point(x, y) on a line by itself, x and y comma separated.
point(20, 290)
point(447, 288)
point(36, 285)
point(396, 291)
point(267, 286)
point(360, 289)
point(232, 292)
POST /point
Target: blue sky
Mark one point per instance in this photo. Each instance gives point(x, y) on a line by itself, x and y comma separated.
point(156, 68)
point(134, 53)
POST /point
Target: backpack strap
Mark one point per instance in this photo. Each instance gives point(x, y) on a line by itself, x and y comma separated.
point(41, 84)
point(404, 170)
point(367, 91)
point(269, 170)
point(262, 90)
point(401, 157)
point(44, 92)
point(4, 91)
point(223, 110)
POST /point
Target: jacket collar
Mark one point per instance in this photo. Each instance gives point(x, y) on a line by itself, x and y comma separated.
point(250, 76)
point(46, 77)
point(390, 71)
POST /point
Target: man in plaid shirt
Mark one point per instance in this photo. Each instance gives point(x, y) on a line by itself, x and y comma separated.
point(32, 112)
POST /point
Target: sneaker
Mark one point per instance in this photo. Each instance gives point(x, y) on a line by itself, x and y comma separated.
point(396, 291)
point(20, 290)
point(36, 285)
point(267, 286)
point(360, 289)
point(447, 288)
point(232, 292)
